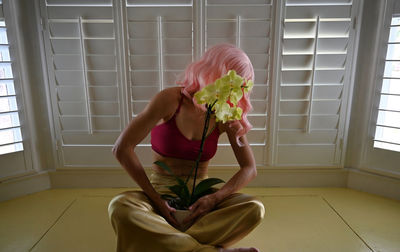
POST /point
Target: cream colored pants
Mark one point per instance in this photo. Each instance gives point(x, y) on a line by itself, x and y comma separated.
point(140, 228)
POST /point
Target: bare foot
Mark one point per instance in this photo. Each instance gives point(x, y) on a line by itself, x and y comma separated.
point(238, 250)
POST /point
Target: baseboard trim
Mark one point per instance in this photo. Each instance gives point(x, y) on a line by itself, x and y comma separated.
point(24, 185)
point(93, 178)
point(117, 178)
point(374, 183)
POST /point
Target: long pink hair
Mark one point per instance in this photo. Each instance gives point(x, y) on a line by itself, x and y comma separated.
point(215, 63)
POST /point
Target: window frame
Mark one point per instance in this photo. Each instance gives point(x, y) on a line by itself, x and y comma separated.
point(268, 152)
point(377, 160)
point(19, 163)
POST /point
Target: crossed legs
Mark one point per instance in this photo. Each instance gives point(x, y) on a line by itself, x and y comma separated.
point(140, 228)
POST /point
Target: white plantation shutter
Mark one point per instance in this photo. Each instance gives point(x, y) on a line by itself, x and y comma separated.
point(315, 78)
point(160, 45)
point(381, 154)
point(82, 54)
point(10, 130)
point(14, 148)
point(247, 24)
point(387, 133)
point(107, 59)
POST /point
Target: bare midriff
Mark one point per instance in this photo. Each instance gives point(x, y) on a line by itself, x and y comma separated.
point(179, 167)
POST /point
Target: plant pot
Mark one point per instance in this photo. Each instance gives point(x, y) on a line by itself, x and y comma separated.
point(179, 216)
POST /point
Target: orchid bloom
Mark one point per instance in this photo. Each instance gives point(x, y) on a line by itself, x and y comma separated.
point(224, 94)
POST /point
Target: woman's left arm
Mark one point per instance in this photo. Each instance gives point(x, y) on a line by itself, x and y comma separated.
point(247, 172)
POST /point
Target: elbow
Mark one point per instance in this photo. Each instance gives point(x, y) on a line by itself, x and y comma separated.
point(254, 172)
point(115, 150)
point(118, 151)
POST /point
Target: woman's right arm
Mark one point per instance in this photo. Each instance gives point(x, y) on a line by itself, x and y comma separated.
point(160, 107)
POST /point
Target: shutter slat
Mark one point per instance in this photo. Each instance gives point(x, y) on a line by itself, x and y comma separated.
point(389, 102)
point(306, 154)
point(318, 137)
point(300, 107)
point(338, 11)
point(83, 139)
point(100, 123)
point(79, 2)
point(74, 12)
point(250, 12)
point(9, 136)
point(298, 122)
point(394, 118)
point(182, 13)
point(325, 3)
point(142, 29)
point(78, 108)
point(388, 136)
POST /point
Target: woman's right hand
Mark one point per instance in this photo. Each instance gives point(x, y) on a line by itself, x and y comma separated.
point(166, 211)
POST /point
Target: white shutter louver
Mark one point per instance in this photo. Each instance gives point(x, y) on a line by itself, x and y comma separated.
point(160, 45)
point(247, 24)
point(82, 59)
point(315, 78)
point(10, 130)
point(15, 154)
point(387, 133)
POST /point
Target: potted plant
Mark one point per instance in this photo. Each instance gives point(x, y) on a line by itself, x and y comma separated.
point(221, 99)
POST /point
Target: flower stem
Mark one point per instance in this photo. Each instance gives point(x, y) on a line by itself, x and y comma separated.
point(209, 111)
point(203, 138)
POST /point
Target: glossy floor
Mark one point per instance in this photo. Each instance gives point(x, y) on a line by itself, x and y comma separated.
point(297, 219)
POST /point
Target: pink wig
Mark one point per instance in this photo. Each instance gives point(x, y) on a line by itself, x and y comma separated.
point(215, 63)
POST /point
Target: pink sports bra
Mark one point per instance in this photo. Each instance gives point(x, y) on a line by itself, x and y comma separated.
point(168, 141)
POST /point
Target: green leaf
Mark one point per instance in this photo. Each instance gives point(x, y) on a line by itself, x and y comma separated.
point(182, 192)
point(177, 189)
point(166, 167)
point(204, 185)
point(208, 191)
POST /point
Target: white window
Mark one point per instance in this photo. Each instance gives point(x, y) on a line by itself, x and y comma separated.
point(387, 133)
point(10, 130)
point(106, 59)
point(15, 155)
point(315, 80)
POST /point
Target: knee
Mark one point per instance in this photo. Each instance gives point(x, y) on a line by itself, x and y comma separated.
point(256, 210)
point(117, 207)
point(120, 207)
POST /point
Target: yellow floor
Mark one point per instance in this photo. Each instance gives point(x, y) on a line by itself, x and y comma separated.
point(297, 219)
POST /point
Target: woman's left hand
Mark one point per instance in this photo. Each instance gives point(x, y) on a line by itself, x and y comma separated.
point(201, 207)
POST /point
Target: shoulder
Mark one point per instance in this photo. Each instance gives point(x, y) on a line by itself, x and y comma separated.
point(165, 102)
point(172, 95)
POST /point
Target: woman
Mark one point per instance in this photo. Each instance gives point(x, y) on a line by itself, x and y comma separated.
point(142, 220)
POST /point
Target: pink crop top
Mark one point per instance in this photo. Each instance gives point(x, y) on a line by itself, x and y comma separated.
point(168, 141)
